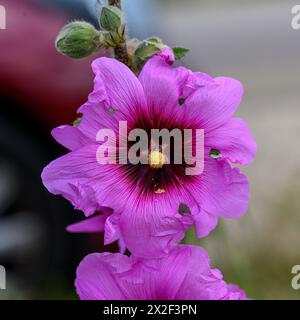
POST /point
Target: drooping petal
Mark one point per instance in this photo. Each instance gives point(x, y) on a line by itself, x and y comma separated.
point(93, 224)
point(234, 140)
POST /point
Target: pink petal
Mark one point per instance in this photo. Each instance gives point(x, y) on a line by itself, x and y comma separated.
point(204, 223)
point(183, 274)
point(117, 95)
point(172, 274)
point(215, 103)
point(235, 293)
point(115, 86)
point(156, 279)
point(95, 276)
point(161, 86)
point(87, 184)
point(168, 55)
point(70, 137)
point(201, 282)
point(234, 141)
point(158, 228)
point(221, 191)
point(94, 224)
point(112, 230)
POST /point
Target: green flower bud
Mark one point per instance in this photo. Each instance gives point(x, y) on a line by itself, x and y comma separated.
point(78, 39)
point(112, 19)
point(145, 50)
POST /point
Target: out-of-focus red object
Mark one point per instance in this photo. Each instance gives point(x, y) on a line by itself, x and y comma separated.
point(32, 73)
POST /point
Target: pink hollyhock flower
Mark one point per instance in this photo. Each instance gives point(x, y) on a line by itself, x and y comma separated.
point(184, 274)
point(151, 222)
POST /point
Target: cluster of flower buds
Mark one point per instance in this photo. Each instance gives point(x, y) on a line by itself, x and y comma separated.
point(80, 39)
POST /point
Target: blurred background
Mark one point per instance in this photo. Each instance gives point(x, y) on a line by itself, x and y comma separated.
point(39, 89)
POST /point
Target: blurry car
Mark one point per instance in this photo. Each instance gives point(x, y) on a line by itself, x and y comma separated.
point(39, 89)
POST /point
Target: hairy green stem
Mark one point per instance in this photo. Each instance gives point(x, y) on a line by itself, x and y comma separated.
point(120, 50)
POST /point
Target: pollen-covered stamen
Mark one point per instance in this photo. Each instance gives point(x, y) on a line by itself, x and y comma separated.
point(156, 159)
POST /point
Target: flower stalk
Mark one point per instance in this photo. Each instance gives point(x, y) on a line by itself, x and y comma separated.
point(120, 50)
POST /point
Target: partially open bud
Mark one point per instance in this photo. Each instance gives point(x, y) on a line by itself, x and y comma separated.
point(78, 39)
point(145, 50)
point(112, 19)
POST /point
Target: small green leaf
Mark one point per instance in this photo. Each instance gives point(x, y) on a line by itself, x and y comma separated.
point(76, 122)
point(181, 101)
point(111, 110)
point(144, 51)
point(180, 52)
point(215, 153)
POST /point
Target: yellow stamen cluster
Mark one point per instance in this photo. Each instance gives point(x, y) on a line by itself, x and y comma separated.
point(156, 159)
